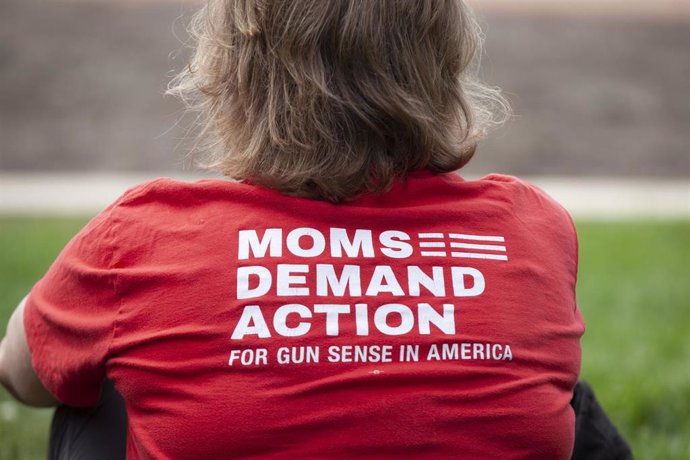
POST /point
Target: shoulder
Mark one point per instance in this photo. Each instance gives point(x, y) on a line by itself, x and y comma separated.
point(164, 204)
point(166, 190)
point(527, 194)
point(171, 196)
point(534, 208)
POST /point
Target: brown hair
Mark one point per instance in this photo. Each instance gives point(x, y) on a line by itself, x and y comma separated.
point(329, 98)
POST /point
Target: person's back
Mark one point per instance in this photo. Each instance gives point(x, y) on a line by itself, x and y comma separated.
point(351, 297)
point(438, 320)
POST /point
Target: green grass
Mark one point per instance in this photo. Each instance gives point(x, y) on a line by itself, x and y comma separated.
point(28, 248)
point(634, 293)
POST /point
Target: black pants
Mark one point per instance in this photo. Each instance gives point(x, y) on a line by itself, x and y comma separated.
point(596, 438)
point(94, 433)
point(101, 432)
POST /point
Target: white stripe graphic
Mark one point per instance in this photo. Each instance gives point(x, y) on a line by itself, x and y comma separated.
point(486, 247)
point(431, 235)
point(431, 244)
point(474, 255)
point(462, 236)
point(433, 253)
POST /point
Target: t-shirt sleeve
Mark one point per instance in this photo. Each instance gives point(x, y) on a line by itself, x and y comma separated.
point(71, 313)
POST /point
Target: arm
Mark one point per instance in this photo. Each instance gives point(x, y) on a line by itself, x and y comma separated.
point(16, 372)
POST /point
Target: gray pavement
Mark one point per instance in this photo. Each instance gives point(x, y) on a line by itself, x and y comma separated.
point(80, 194)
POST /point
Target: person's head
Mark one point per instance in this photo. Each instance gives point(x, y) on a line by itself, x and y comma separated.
point(330, 98)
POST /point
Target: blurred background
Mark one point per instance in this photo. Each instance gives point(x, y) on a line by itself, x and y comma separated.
point(601, 95)
point(596, 90)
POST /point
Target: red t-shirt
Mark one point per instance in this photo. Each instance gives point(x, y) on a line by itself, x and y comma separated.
point(436, 321)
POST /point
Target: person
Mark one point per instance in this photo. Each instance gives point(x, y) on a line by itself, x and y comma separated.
point(346, 294)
